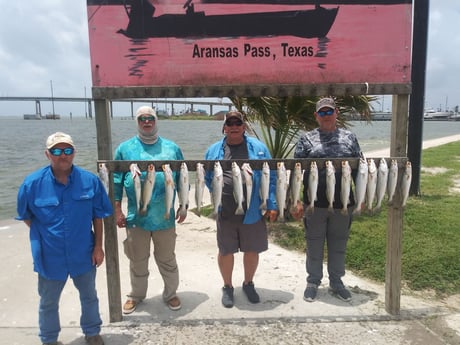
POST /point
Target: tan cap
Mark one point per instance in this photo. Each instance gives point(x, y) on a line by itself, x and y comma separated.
point(325, 103)
point(57, 138)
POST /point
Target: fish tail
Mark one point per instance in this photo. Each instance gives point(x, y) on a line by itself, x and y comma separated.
point(239, 211)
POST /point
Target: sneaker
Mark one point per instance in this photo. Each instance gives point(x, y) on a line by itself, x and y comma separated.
point(94, 340)
point(174, 303)
point(310, 292)
point(251, 293)
point(130, 306)
point(227, 296)
point(342, 293)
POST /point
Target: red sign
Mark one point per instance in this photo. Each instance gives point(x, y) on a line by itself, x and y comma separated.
point(205, 43)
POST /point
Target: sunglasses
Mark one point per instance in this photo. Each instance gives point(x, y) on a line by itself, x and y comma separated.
point(57, 152)
point(234, 123)
point(325, 112)
point(146, 118)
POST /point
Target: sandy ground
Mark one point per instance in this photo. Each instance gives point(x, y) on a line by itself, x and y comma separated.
point(282, 317)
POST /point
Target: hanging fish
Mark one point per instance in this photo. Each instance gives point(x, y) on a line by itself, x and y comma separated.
point(247, 172)
point(264, 185)
point(371, 184)
point(184, 189)
point(312, 186)
point(104, 176)
point(330, 185)
point(281, 189)
point(147, 189)
point(392, 180)
point(217, 184)
point(169, 189)
point(345, 186)
point(360, 185)
point(136, 176)
point(237, 188)
point(296, 185)
point(382, 182)
point(405, 183)
point(199, 187)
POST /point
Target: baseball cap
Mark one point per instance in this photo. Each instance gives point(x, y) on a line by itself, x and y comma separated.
point(146, 110)
point(325, 103)
point(58, 138)
point(232, 114)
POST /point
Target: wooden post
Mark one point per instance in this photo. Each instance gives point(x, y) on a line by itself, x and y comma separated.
point(104, 151)
point(395, 212)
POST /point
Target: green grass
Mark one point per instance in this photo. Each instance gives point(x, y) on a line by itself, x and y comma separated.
point(431, 233)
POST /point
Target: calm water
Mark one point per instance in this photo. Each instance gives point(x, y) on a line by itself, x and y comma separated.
point(22, 144)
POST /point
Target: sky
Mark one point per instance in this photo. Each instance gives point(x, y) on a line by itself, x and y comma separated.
point(44, 46)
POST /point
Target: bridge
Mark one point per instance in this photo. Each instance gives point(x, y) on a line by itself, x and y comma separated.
point(89, 103)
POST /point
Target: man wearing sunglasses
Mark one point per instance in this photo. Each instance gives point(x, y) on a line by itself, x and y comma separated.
point(64, 206)
point(151, 227)
point(246, 233)
point(321, 225)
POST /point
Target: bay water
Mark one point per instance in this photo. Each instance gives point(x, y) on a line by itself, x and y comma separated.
point(22, 143)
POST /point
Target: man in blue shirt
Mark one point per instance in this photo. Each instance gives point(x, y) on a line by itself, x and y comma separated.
point(248, 232)
point(64, 205)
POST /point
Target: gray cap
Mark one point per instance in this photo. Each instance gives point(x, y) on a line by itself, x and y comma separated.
point(325, 103)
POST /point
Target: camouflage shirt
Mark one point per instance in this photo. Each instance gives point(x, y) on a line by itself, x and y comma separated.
point(318, 144)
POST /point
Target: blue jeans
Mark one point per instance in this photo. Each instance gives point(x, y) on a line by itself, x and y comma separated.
point(50, 294)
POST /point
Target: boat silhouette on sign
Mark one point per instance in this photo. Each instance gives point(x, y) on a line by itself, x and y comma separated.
point(311, 23)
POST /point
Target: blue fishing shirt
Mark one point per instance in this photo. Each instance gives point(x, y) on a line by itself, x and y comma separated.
point(256, 150)
point(132, 150)
point(61, 216)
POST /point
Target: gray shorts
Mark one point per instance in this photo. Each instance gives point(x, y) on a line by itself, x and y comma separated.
point(234, 236)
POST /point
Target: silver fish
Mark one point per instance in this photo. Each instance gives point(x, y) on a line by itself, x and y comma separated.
point(345, 186)
point(104, 176)
point(169, 189)
point(382, 182)
point(217, 184)
point(184, 189)
point(296, 185)
point(199, 187)
point(330, 184)
point(360, 185)
point(264, 185)
point(405, 183)
point(147, 189)
point(392, 180)
point(247, 172)
point(371, 184)
point(237, 188)
point(312, 186)
point(281, 189)
point(136, 176)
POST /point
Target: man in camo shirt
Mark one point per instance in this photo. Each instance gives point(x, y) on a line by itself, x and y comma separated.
point(321, 225)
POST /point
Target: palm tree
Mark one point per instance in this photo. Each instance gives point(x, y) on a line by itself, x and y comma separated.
point(282, 118)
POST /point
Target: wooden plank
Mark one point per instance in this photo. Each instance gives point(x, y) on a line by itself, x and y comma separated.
point(398, 147)
point(104, 150)
point(275, 90)
point(123, 166)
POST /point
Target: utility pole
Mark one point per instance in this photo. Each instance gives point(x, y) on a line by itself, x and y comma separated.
point(416, 104)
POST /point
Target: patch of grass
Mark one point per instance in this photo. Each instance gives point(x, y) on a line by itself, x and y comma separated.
point(431, 233)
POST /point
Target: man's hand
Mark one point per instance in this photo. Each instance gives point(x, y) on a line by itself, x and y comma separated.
point(297, 211)
point(271, 215)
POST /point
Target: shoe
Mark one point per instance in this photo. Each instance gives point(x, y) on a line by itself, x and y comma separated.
point(341, 293)
point(130, 306)
point(251, 293)
point(174, 303)
point(310, 292)
point(94, 340)
point(227, 296)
